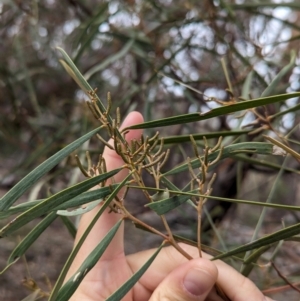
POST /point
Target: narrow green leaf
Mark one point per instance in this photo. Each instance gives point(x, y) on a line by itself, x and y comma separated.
point(247, 85)
point(69, 225)
point(52, 202)
point(264, 241)
point(31, 93)
point(83, 84)
point(248, 264)
point(292, 109)
point(79, 78)
point(278, 78)
point(164, 206)
point(87, 197)
point(127, 286)
point(12, 195)
point(19, 208)
point(160, 195)
point(72, 284)
point(73, 254)
point(91, 28)
point(76, 73)
point(31, 237)
point(79, 200)
point(109, 60)
point(187, 118)
point(260, 162)
point(186, 138)
point(228, 151)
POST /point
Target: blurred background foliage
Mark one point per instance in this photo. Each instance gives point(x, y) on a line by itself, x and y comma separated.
point(162, 58)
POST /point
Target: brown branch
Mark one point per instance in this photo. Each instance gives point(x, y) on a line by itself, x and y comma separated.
point(284, 278)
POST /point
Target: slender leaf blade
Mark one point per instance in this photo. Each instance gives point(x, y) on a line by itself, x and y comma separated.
point(166, 205)
point(59, 282)
point(87, 197)
point(109, 60)
point(12, 195)
point(248, 263)
point(79, 200)
point(187, 118)
point(228, 151)
point(52, 202)
point(186, 138)
point(69, 225)
point(72, 284)
point(79, 78)
point(31, 237)
point(126, 287)
point(275, 82)
point(90, 29)
point(264, 241)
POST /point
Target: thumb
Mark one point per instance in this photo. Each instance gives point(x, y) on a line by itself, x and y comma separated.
point(191, 281)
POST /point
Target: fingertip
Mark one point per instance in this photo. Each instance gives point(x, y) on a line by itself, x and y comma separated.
point(131, 119)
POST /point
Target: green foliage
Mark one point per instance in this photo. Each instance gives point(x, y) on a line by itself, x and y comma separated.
point(203, 77)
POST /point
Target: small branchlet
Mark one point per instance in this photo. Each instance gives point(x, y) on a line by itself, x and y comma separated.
point(101, 165)
point(104, 142)
point(163, 162)
point(143, 155)
point(192, 173)
point(138, 150)
point(152, 163)
point(160, 147)
point(218, 157)
point(82, 169)
point(206, 152)
point(203, 172)
point(211, 182)
point(93, 110)
point(120, 151)
point(88, 159)
point(258, 130)
point(194, 145)
point(217, 146)
point(133, 146)
point(155, 137)
point(118, 117)
point(109, 104)
point(202, 180)
point(153, 145)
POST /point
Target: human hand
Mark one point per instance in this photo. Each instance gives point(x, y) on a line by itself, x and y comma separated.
point(170, 277)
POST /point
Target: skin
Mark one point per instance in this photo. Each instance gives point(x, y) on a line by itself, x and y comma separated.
point(170, 277)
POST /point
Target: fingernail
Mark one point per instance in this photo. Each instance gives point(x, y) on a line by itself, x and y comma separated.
point(197, 282)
